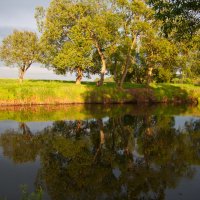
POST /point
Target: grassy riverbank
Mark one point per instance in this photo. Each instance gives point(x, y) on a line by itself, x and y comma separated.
point(60, 92)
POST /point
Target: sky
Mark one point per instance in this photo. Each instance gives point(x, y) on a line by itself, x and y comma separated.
point(19, 14)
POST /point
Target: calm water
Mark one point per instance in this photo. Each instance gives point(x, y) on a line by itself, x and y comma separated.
point(98, 152)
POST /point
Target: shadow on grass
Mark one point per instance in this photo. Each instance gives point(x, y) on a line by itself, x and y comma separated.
point(34, 92)
point(172, 93)
point(159, 93)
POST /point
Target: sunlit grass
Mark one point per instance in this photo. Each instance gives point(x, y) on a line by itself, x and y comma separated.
point(47, 92)
point(62, 92)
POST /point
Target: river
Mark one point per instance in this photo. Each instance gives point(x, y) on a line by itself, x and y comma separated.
point(100, 152)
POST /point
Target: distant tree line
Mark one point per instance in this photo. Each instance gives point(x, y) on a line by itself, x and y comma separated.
point(131, 40)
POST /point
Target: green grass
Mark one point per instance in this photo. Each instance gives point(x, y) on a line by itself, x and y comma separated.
point(61, 92)
point(57, 92)
point(176, 92)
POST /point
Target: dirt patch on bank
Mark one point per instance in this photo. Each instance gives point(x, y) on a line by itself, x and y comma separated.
point(142, 95)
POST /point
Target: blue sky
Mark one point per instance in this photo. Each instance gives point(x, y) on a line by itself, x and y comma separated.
point(19, 14)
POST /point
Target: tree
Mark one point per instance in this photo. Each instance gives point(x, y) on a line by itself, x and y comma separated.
point(20, 49)
point(119, 37)
point(137, 18)
point(63, 45)
point(189, 57)
point(40, 13)
point(158, 54)
point(75, 55)
point(181, 17)
point(75, 31)
point(103, 26)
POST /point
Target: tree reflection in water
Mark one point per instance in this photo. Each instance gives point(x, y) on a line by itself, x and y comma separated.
point(129, 157)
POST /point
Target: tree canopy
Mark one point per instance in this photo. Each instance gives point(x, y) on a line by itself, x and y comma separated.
point(120, 38)
point(181, 17)
point(20, 49)
point(130, 40)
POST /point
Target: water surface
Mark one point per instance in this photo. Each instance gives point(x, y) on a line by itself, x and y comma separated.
point(100, 152)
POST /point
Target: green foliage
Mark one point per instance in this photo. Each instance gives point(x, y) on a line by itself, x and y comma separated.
point(182, 80)
point(126, 38)
point(159, 54)
point(188, 58)
point(33, 196)
point(181, 18)
point(121, 38)
point(137, 19)
point(40, 17)
point(20, 49)
point(106, 80)
point(163, 75)
point(74, 31)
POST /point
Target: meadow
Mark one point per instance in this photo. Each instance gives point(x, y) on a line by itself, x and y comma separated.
point(38, 92)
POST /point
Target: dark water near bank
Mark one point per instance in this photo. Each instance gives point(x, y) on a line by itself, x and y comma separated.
point(95, 152)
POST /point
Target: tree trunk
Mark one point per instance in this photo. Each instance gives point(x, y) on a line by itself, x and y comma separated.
point(149, 75)
point(25, 129)
point(128, 60)
point(103, 61)
point(102, 137)
point(103, 71)
point(102, 134)
point(115, 73)
point(21, 74)
point(102, 140)
point(125, 70)
point(79, 76)
point(123, 76)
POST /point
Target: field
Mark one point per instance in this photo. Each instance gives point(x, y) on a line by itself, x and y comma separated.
point(32, 92)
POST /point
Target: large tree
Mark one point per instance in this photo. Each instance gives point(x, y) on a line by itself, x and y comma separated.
point(120, 37)
point(157, 54)
point(74, 32)
point(64, 47)
point(20, 49)
point(75, 55)
point(137, 19)
point(189, 57)
point(102, 26)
